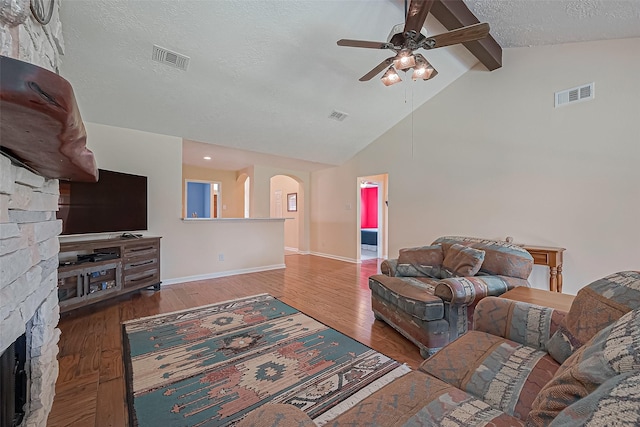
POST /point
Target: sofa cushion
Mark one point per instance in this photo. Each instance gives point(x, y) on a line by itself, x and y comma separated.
point(611, 352)
point(420, 261)
point(500, 259)
point(461, 261)
point(502, 373)
point(412, 295)
point(614, 403)
point(596, 306)
point(417, 399)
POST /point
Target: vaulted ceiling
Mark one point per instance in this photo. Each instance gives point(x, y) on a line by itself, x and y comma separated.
point(265, 75)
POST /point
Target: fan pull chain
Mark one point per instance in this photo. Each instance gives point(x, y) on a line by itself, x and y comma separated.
point(412, 140)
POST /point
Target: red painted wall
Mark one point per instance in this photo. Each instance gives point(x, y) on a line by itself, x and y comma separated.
point(369, 207)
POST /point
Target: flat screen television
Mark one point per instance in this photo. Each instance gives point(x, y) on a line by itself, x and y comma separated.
point(116, 203)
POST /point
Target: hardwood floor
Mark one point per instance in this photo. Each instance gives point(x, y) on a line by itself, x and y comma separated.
point(91, 391)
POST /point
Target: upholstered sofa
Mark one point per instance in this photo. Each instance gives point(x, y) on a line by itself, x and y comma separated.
point(522, 364)
point(428, 293)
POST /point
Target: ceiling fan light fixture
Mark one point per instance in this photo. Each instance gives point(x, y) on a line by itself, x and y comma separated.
point(406, 38)
point(404, 60)
point(422, 72)
point(390, 77)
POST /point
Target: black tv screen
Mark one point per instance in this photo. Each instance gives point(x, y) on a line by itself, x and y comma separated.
point(116, 203)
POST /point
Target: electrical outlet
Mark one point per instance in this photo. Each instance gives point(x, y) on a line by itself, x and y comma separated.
point(220, 257)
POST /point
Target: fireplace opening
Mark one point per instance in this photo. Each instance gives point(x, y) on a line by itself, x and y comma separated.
point(13, 383)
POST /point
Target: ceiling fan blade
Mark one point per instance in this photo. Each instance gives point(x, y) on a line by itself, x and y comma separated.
point(381, 66)
point(461, 35)
point(417, 14)
point(363, 43)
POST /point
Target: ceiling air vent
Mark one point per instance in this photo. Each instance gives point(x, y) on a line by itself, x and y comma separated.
point(168, 57)
point(338, 115)
point(580, 93)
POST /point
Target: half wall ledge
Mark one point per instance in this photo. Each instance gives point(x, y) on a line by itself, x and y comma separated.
point(40, 124)
point(232, 219)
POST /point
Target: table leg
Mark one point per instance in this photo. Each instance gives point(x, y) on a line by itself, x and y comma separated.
point(553, 280)
point(560, 278)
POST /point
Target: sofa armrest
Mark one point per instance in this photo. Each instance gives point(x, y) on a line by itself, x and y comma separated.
point(469, 290)
point(528, 324)
point(388, 267)
point(392, 268)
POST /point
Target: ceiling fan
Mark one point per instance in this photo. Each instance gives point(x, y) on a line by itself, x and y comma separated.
point(406, 38)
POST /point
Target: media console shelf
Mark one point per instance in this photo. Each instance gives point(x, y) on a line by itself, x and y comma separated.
point(96, 270)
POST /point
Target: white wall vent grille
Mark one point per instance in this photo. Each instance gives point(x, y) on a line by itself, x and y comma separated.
point(338, 115)
point(580, 93)
point(168, 57)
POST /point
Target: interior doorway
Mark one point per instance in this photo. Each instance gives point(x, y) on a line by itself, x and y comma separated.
point(202, 199)
point(372, 218)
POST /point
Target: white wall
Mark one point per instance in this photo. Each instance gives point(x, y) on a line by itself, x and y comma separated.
point(490, 156)
point(286, 185)
point(189, 250)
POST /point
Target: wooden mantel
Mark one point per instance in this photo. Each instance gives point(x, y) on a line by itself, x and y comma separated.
point(40, 124)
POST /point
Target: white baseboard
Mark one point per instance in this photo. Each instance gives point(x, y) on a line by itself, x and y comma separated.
point(168, 282)
point(298, 251)
point(287, 248)
point(339, 258)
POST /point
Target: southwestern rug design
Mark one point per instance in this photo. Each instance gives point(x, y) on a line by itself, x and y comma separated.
point(210, 366)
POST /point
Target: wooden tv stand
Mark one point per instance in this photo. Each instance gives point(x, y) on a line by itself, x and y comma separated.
point(112, 267)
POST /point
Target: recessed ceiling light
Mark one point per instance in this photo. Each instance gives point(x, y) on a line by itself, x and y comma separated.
point(207, 158)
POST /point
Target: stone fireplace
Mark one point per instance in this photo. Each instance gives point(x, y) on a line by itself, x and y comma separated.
point(28, 280)
point(28, 227)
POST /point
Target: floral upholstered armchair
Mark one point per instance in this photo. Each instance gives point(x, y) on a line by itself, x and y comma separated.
point(428, 293)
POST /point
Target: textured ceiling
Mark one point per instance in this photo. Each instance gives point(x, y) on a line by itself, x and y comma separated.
point(265, 75)
point(521, 23)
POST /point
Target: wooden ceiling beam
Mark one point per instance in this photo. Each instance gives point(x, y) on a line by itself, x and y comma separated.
point(455, 14)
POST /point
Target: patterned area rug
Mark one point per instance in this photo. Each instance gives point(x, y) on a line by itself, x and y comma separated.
point(210, 366)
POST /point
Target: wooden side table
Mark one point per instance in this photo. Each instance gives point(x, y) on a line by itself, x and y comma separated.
point(551, 257)
point(540, 297)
